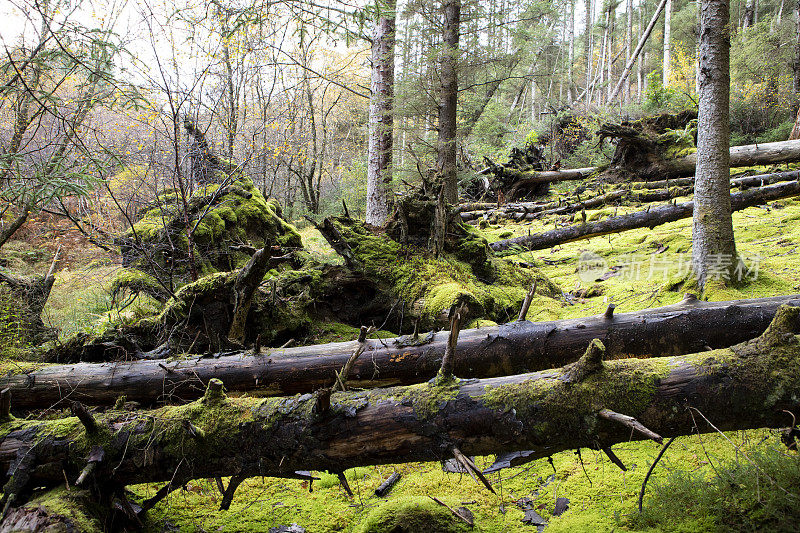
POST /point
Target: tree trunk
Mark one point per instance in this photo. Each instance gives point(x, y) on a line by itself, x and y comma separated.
point(749, 15)
point(712, 226)
point(381, 117)
point(628, 43)
point(448, 101)
point(571, 52)
point(739, 156)
point(638, 50)
point(587, 35)
point(489, 351)
point(796, 62)
point(667, 32)
point(247, 281)
point(7, 232)
point(641, 219)
point(544, 412)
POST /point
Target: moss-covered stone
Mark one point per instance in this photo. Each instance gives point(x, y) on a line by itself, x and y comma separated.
point(411, 515)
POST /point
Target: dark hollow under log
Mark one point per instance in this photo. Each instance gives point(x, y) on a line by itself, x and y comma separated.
point(640, 219)
point(745, 386)
point(490, 351)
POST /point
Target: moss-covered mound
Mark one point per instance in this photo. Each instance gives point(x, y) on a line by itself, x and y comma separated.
point(224, 222)
point(411, 514)
point(467, 273)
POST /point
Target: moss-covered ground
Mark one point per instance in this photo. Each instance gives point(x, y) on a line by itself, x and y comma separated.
point(741, 481)
point(737, 481)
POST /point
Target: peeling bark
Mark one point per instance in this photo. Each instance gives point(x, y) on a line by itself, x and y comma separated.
point(512, 348)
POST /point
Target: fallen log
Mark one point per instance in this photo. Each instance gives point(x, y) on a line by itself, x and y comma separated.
point(641, 191)
point(518, 347)
point(544, 412)
point(741, 156)
point(640, 219)
point(758, 180)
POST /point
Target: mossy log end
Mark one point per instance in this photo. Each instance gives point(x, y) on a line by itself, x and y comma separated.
point(745, 386)
point(640, 219)
point(490, 351)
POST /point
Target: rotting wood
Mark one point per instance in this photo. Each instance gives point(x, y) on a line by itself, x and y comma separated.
point(540, 412)
point(648, 218)
point(638, 191)
point(516, 347)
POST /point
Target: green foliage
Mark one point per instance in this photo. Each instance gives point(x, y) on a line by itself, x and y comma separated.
point(757, 491)
point(658, 97)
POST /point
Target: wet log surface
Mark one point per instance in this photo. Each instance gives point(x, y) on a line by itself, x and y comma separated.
point(518, 347)
point(745, 386)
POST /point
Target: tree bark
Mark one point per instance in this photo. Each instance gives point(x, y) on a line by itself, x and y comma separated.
point(490, 351)
point(7, 232)
point(759, 180)
point(712, 226)
point(544, 412)
point(381, 117)
point(667, 32)
point(640, 219)
point(247, 281)
point(448, 101)
point(628, 43)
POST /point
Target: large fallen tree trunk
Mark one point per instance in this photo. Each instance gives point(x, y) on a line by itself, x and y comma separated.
point(741, 156)
point(758, 180)
point(644, 191)
point(640, 219)
point(545, 412)
point(518, 347)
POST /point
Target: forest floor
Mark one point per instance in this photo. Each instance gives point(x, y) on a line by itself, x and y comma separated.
point(735, 481)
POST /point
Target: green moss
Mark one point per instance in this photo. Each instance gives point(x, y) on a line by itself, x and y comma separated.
point(428, 398)
point(411, 515)
point(218, 220)
point(325, 332)
point(71, 507)
point(491, 287)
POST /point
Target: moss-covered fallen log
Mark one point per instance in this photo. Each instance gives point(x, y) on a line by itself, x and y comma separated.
point(745, 386)
point(741, 156)
point(640, 219)
point(758, 180)
point(639, 191)
point(518, 347)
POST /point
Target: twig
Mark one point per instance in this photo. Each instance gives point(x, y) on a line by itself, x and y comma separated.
point(456, 513)
point(630, 422)
point(471, 469)
point(526, 304)
point(652, 467)
point(233, 484)
point(446, 370)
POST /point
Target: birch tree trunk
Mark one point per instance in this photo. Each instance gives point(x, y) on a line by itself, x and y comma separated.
point(448, 101)
point(381, 120)
point(713, 245)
